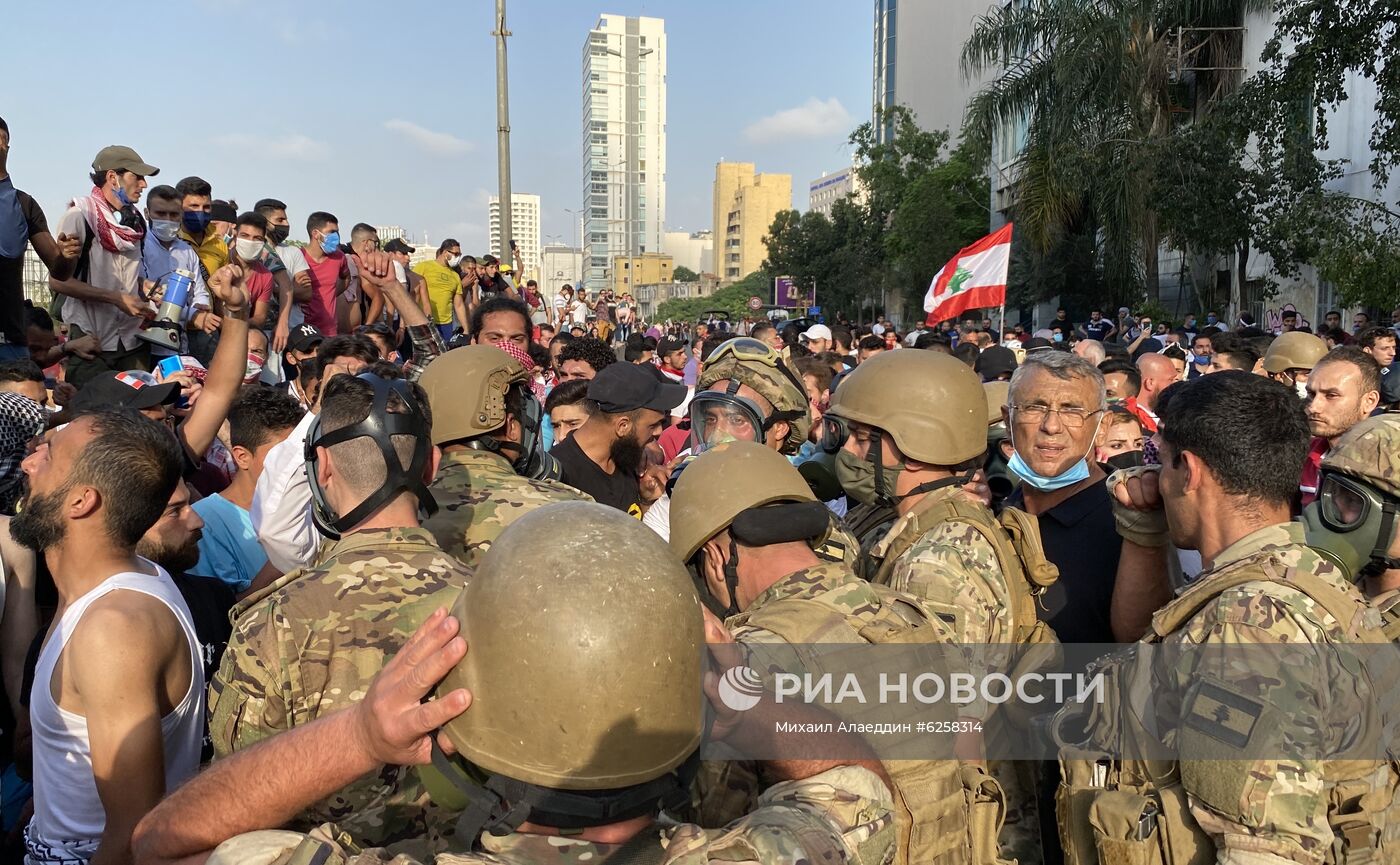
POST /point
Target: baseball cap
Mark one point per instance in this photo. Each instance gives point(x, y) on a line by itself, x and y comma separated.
point(304, 337)
point(817, 331)
point(398, 245)
point(222, 211)
point(129, 389)
point(1037, 342)
point(118, 157)
point(624, 387)
point(666, 346)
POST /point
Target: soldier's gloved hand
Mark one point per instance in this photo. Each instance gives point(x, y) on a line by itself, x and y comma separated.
point(1137, 506)
point(393, 722)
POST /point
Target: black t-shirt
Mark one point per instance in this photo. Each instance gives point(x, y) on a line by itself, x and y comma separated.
point(1080, 537)
point(619, 489)
point(12, 318)
point(209, 600)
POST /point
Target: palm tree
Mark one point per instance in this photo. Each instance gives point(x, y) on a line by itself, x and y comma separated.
point(1097, 84)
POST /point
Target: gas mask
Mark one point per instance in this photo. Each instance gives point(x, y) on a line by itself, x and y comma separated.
point(529, 457)
point(1353, 525)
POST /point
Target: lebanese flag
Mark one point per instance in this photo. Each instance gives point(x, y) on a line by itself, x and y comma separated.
point(975, 278)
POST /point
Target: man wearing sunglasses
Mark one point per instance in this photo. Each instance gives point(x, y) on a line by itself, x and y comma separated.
point(1257, 667)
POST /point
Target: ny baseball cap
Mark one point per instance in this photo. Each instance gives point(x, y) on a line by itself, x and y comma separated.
point(398, 245)
point(304, 337)
point(666, 346)
point(624, 387)
point(129, 389)
point(118, 157)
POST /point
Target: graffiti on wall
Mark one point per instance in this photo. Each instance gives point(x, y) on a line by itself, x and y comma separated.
point(1273, 318)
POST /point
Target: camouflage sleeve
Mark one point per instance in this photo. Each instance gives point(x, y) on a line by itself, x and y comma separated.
point(249, 696)
point(841, 815)
point(1264, 699)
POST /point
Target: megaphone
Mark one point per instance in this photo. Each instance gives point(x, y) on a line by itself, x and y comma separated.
point(164, 331)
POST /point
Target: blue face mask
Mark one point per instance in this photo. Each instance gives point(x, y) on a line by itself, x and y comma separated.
point(330, 243)
point(122, 197)
point(196, 221)
point(1057, 336)
point(1073, 475)
point(1210, 319)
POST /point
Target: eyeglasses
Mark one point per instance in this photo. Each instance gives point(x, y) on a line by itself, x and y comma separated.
point(1072, 418)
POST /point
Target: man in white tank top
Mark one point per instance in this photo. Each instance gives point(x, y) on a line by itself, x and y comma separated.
point(117, 702)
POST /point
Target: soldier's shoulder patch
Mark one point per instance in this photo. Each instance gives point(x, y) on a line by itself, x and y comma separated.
point(1223, 715)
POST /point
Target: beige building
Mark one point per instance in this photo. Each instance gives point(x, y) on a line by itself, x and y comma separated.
point(648, 268)
point(745, 205)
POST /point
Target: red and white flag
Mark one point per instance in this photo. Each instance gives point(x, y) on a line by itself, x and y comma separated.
point(975, 278)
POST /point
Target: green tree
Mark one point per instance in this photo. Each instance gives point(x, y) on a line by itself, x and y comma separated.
point(1097, 87)
point(732, 299)
point(684, 274)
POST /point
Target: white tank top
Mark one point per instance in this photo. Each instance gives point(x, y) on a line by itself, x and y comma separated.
point(68, 815)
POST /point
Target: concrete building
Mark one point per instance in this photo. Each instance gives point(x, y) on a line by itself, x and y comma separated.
point(692, 249)
point(825, 191)
point(390, 232)
point(624, 142)
point(745, 204)
point(918, 52)
point(524, 229)
point(424, 250)
point(645, 269)
point(559, 266)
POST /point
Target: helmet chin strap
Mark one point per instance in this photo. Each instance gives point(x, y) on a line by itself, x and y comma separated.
point(887, 498)
point(1381, 561)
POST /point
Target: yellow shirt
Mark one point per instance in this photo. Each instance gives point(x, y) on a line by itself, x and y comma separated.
point(443, 286)
point(211, 249)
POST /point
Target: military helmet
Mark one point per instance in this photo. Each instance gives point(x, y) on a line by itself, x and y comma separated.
point(998, 395)
point(467, 391)
point(586, 642)
point(932, 404)
point(722, 483)
point(1369, 452)
point(1294, 350)
point(754, 363)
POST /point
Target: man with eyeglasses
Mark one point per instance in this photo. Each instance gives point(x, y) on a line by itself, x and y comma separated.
point(103, 297)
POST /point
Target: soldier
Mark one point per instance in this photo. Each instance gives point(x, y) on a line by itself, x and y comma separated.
point(912, 429)
point(746, 521)
point(583, 718)
point(494, 467)
point(1291, 357)
point(1354, 520)
point(1248, 775)
point(309, 643)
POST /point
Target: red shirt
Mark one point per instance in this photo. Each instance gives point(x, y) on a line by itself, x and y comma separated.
point(1312, 469)
point(674, 439)
point(259, 285)
point(320, 310)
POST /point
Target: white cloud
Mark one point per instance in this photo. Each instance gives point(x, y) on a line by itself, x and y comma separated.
point(440, 143)
point(815, 118)
point(295, 146)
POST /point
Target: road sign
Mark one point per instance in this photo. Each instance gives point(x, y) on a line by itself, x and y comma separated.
point(755, 302)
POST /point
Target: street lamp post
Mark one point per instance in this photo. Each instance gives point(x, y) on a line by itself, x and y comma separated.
point(503, 130)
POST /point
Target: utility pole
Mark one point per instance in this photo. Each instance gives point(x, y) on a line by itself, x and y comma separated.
point(503, 132)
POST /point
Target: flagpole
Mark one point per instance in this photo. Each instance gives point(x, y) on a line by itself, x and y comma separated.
point(1002, 325)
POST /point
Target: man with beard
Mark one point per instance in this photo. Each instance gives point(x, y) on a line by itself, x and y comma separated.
point(604, 456)
point(173, 543)
point(118, 701)
point(1343, 389)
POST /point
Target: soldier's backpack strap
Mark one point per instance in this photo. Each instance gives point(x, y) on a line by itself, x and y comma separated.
point(1341, 607)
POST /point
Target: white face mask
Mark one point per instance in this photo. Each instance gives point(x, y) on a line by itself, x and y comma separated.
point(248, 250)
point(454, 261)
point(165, 230)
point(1302, 389)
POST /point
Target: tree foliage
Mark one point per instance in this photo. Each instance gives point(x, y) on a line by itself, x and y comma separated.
point(684, 274)
point(732, 299)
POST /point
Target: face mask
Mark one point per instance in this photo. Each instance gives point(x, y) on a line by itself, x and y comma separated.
point(165, 230)
point(1301, 388)
point(1210, 319)
point(1358, 546)
point(121, 196)
point(857, 476)
point(196, 221)
point(454, 261)
point(1057, 336)
point(330, 243)
point(247, 249)
point(1125, 460)
point(1071, 476)
point(278, 234)
point(253, 370)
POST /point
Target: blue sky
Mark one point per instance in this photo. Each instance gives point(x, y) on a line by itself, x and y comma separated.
point(385, 112)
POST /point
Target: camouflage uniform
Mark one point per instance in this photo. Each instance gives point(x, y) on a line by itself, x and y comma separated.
point(839, 816)
point(478, 494)
point(1275, 796)
point(309, 644)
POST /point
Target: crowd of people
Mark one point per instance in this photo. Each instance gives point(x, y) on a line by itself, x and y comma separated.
point(311, 555)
